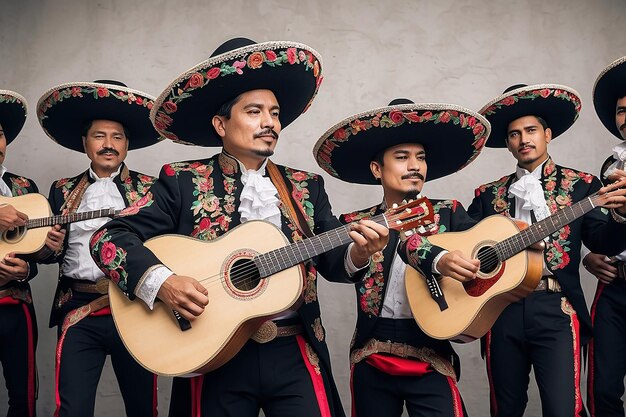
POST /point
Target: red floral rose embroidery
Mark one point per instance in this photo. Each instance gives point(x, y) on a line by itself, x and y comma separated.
point(170, 107)
point(107, 253)
point(396, 116)
point(114, 276)
point(270, 55)
point(168, 170)
point(196, 80)
point(102, 92)
point(291, 55)
point(213, 73)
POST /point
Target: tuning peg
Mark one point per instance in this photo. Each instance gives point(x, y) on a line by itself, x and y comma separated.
point(394, 205)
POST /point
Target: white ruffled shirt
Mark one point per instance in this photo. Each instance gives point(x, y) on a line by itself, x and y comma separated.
point(258, 201)
point(103, 193)
point(5, 190)
point(529, 197)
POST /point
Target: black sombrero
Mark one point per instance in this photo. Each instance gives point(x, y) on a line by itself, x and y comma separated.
point(63, 111)
point(184, 110)
point(558, 105)
point(452, 137)
point(13, 110)
point(610, 86)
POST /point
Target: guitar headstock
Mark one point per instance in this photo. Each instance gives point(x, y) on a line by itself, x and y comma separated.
point(410, 215)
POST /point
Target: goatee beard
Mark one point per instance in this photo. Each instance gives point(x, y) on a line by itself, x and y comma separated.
point(265, 153)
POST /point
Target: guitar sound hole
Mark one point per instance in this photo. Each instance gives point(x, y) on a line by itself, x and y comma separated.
point(488, 259)
point(245, 275)
point(15, 235)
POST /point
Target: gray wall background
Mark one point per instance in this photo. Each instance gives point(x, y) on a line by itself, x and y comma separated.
point(457, 51)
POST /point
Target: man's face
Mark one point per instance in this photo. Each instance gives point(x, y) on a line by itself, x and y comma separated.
point(3, 145)
point(252, 131)
point(403, 170)
point(528, 141)
point(620, 116)
point(106, 145)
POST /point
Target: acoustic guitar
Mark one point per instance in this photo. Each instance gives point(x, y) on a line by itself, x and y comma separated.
point(252, 274)
point(510, 269)
point(27, 240)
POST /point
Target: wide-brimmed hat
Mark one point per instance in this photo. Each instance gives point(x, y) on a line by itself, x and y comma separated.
point(452, 137)
point(557, 104)
point(184, 110)
point(13, 110)
point(64, 111)
point(610, 86)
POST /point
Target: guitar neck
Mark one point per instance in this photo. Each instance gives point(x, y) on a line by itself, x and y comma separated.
point(70, 218)
point(541, 229)
point(280, 259)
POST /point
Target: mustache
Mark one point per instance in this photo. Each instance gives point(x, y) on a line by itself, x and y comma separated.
point(107, 150)
point(526, 146)
point(413, 175)
point(266, 132)
point(622, 127)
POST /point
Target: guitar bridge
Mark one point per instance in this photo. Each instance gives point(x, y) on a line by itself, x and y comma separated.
point(436, 293)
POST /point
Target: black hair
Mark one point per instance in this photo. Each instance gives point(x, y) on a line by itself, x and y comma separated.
point(226, 108)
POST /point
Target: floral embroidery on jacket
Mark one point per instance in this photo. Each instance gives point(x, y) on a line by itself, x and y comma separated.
point(66, 185)
point(318, 330)
point(19, 185)
point(300, 192)
point(310, 285)
point(211, 216)
point(371, 287)
point(112, 258)
point(500, 192)
point(138, 192)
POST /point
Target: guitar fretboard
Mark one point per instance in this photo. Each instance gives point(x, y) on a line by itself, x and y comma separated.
point(70, 218)
point(279, 259)
point(541, 229)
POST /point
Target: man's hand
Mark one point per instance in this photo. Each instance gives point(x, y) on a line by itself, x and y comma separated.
point(10, 218)
point(13, 269)
point(185, 295)
point(55, 238)
point(616, 192)
point(369, 237)
point(599, 266)
point(455, 265)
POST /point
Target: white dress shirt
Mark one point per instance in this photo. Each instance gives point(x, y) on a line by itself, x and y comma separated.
point(5, 190)
point(102, 194)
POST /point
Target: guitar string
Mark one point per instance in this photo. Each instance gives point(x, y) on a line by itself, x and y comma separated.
point(249, 272)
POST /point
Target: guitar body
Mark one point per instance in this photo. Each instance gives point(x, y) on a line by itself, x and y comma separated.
point(233, 314)
point(473, 307)
point(22, 240)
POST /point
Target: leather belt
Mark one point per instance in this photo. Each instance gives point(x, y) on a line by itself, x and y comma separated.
point(101, 286)
point(270, 331)
point(549, 284)
point(393, 348)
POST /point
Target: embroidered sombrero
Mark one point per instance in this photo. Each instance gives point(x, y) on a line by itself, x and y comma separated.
point(184, 110)
point(610, 86)
point(13, 110)
point(452, 137)
point(63, 112)
point(557, 104)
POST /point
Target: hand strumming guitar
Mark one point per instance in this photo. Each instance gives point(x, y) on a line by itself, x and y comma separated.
point(454, 265)
point(185, 295)
point(369, 237)
point(10, 218)
point(13, 269)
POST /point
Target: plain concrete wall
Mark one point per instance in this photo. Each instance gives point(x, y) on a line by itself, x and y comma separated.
point(462, 51)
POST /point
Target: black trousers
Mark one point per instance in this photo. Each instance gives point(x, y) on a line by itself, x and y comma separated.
point(18, 341)
point(271, 376)
point(540, 331)
point(83, 350)
point(607, 362)
point(375, 394)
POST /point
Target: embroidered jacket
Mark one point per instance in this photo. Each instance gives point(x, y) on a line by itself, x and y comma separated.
point(596, 229)
point(133, 186)
point(417, 252)
point(200, 199)
point(19, 186)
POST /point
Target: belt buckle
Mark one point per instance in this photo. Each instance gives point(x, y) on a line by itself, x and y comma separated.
point(102, 286)
point(398, 349)
point(266, 333)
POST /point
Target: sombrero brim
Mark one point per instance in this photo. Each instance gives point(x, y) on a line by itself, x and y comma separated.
point(608, 88)
point(452, 137)
point(63, 111)
point(13, 111)
point(184, 110)
point(557, 104)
